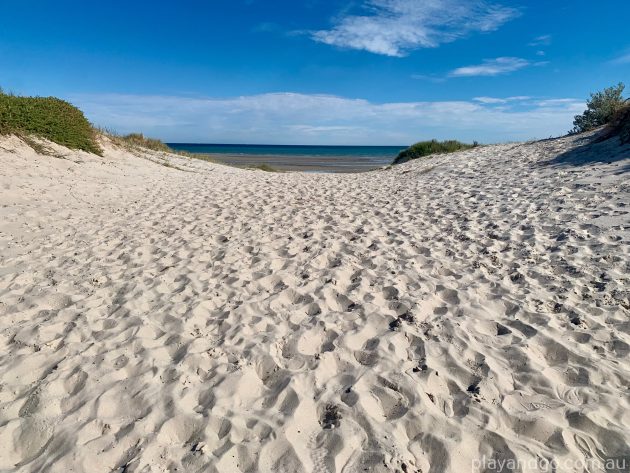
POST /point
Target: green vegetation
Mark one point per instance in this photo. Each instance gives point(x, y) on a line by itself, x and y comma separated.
point(138, 140)
point(426, 148)
point(600, 109)
point(47, 117)
point(620, 124)
point(202, 157)
point(262, 167)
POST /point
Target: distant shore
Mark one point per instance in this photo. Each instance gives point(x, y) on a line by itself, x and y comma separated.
point(296, 158)
point(343, 164)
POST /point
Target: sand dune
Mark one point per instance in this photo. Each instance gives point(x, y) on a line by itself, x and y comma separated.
point(201, 318)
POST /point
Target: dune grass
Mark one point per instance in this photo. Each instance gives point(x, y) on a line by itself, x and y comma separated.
point(426, 148)
point(138, 140)
point(262, 167)
point(47, 117)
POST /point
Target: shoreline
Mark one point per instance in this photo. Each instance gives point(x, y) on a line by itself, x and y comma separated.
point(303, 163)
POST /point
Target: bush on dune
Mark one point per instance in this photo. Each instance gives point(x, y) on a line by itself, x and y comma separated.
point(426, 148)
point(47, 117)
point(600, 109)
point(620, 124)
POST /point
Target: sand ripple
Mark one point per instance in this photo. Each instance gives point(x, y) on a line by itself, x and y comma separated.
point(212, 319)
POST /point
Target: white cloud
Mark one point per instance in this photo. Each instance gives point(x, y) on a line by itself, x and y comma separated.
point(393, 27)
point(491, 67)
point(290, 118)
point(556, 102)
point(490, 100)
point(543, 40)
point(623, 59)
point(495, 100)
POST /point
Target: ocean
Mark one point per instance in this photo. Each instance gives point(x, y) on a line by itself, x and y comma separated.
point(297, 157)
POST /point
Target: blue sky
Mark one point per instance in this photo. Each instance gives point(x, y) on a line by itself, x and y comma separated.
point(319, 71)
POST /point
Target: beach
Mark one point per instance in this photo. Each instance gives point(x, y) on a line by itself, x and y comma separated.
point(160, 313)
point(296, 158)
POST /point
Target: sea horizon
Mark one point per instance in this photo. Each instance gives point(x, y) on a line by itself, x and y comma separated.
point(314, 158)
point(182, 144)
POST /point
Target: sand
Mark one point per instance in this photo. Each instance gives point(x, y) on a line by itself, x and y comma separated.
point(165, 314)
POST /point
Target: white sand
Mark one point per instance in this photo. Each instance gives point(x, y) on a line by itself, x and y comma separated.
point(420, 318)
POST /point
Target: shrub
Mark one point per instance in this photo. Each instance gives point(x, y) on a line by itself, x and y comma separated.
point(600, 109)
point(425, 148)
point(620, 124)
point(47, 117)
point(624, 124)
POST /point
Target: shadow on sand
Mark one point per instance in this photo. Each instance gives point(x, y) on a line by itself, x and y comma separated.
point(597, 148)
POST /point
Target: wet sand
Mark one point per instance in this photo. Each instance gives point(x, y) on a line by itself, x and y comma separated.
point(303, 163)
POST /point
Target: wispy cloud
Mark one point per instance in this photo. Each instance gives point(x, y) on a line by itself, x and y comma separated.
point(492, 67)
point(555, 102)
point(543, 40)
point(393, 27)
point(429, 77)
point(293, 118)
point(496, 100)
point(624, 58)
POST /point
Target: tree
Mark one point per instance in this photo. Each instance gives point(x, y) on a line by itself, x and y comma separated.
point(600, 109)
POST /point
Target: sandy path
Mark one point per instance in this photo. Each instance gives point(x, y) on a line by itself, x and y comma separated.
point(205, 318)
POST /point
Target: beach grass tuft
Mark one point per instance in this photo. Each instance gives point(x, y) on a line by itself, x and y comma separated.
point(47, 117)
point(426, 148)
point(138, 140)
point(263, 167)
